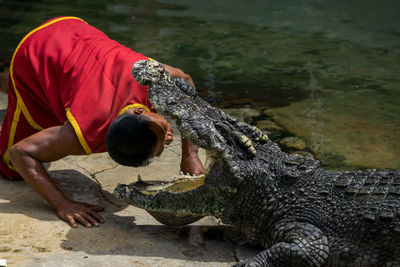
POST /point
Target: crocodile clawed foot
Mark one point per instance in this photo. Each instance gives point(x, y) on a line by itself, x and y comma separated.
point(246, 143)
point(252, 132)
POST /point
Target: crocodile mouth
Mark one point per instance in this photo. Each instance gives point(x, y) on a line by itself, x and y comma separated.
point(179, 184)
point(147, 194)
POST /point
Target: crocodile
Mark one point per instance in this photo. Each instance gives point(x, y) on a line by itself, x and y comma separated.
point(302, 214)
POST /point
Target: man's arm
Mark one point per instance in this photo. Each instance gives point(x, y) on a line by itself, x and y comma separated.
point(178, 73)
point(45, 146)
point(190, 162)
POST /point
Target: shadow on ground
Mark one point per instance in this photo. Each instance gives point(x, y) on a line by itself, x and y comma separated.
point(128, 232)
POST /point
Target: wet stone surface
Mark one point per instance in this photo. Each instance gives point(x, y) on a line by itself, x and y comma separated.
point(295, 143)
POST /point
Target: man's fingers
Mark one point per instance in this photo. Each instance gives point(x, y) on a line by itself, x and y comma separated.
point(81, 212)
point(90, 219)
point(82, 220)
point(72, 222)
point(178, 73)
point(96, 216)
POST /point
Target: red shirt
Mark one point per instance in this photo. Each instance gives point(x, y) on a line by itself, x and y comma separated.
point(68, 70)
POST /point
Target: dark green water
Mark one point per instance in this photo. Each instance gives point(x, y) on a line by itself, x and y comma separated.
point(327, 71)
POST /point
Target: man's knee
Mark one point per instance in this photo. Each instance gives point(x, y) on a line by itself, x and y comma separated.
point(7, 173)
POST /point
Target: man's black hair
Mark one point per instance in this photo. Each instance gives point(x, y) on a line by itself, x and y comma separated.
point(130, 141)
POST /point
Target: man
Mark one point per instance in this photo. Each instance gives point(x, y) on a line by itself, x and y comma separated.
point(71, 92)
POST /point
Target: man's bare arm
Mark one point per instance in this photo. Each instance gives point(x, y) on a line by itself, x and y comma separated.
point(45, 146)
point(190, 161)
point(178, 73)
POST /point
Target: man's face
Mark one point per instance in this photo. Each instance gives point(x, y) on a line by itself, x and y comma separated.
point(160, 127)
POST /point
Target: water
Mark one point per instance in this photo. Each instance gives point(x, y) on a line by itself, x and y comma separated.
point(326, 71)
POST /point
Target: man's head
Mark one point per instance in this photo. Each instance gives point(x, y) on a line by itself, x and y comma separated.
point(137, 136)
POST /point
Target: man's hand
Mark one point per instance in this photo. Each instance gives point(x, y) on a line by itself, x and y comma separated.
point(178, 73)
point(46, 146)
point(190, 162)
point(192, 165)
point(86, 214)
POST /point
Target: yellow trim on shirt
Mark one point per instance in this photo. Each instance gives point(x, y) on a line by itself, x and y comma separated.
point(20, 102)
point(25, 111)
point(78, 132)
point(136, 105)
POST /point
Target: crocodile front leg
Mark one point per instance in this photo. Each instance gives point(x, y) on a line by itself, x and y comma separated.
point(299, 244)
